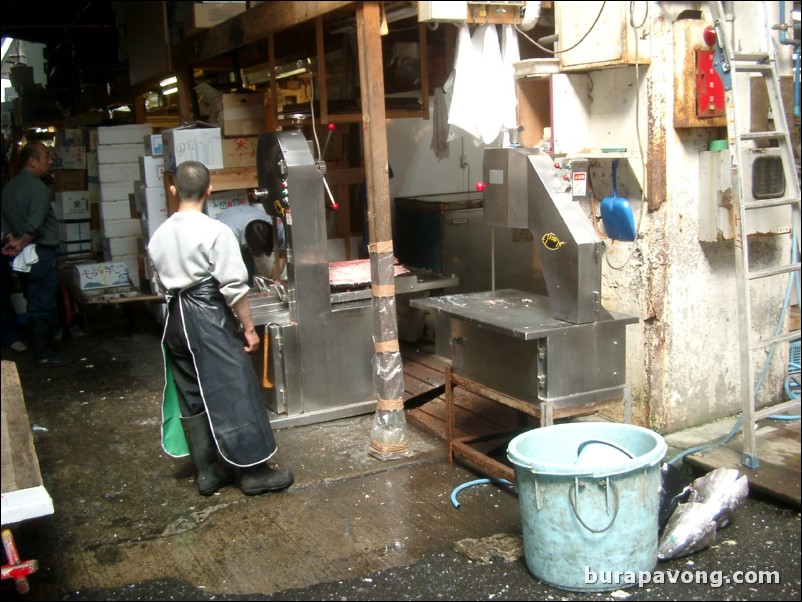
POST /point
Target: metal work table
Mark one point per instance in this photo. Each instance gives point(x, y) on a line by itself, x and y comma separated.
point(507, 347)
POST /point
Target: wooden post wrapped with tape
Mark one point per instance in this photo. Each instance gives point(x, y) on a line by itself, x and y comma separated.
point(388, 439)
point(389, 435)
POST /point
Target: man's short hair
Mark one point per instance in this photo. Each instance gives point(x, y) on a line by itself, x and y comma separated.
point(192, 180)
point(259, 237)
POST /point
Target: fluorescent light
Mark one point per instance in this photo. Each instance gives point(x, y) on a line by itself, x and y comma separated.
point(168, 91)
point(6, 45)
point(170, 81)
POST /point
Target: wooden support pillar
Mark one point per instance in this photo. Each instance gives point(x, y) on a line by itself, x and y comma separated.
point(388, 437)
point(187, 100)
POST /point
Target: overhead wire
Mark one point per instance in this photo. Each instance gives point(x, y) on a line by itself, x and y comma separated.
point(644, 184)
point(582, 39)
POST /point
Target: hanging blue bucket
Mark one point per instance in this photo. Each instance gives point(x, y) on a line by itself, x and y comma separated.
point(589, 499)
point(616, 213)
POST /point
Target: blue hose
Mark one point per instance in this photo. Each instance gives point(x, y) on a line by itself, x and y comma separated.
point(471, 484)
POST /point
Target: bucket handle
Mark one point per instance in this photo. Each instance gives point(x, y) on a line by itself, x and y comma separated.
point(608, 485)
point(623, 450)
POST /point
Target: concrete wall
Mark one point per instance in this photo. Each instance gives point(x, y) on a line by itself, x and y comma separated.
point(683, 361)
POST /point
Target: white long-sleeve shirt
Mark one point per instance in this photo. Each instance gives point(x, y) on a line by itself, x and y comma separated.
point(190, 247)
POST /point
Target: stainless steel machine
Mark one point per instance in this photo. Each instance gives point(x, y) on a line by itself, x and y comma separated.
point(563, 350)
point(318, 350)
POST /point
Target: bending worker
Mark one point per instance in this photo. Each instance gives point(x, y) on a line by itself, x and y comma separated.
point(198, 265)
point(258, 238)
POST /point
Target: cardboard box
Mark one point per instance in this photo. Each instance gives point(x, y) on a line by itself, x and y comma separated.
point(152, 203)
point(75, 231)
point(70, 137)
point(149, 226)
point(153, 145)
point(123, 134)
point(91, 139)
point(73, 205)
point(92, 165)
point(65, 180)
point(240, 114)
point(240, 152)
point(68, 157)
point(192, 143)
point(209, 14)
point(220, 201)
point(98, 278)
point(151, 170)
point(112, 210)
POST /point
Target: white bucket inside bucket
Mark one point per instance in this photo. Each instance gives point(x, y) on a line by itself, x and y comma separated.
point(589, 498)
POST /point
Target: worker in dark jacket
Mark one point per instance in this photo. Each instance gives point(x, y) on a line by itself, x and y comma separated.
point(32, 239)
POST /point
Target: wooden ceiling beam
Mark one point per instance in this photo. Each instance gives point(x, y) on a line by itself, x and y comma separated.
point(254, 25)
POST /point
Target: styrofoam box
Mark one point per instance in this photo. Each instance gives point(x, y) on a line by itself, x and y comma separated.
point(153, 145)
point(72, 205)
point(152, 203)
point(123, 134)
point(116, 191)
point(151, 170)
point(111, 210)
point(99, 276)
point(119, 153)
point(132, 261)
point(220, 201)
point(76, 247)
point(192, 144)
point(115, 247)
point(119, 172)
point(75, 231)
point(118, 228)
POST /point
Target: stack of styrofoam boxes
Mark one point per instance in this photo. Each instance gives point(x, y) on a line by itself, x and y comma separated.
point(150, 199)
point(72, 206)
point(118, 152)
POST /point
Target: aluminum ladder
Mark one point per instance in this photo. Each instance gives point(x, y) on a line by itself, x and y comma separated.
point(747, 159)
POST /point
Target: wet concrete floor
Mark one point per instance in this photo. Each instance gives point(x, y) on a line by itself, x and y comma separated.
point(130, 525)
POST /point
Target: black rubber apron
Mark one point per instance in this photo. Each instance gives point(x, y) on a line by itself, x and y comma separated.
point(212, 371)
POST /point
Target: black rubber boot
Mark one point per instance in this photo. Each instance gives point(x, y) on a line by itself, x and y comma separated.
point(42, 343)
point(213, 472)
point(263, 479)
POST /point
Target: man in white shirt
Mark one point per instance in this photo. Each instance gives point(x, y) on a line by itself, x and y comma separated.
point(210, 377)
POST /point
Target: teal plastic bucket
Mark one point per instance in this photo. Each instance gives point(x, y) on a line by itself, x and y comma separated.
point(589, 494)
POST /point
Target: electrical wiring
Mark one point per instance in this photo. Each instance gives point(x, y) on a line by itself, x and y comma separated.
point(582, 39)
point(638, 136)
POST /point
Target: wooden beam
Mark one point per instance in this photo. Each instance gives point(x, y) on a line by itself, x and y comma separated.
point(249, 27)
point(374, 124)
